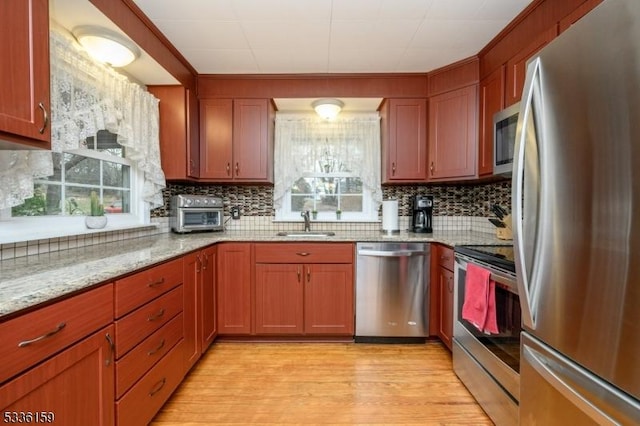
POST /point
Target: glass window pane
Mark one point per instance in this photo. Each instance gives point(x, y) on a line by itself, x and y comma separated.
point(117, 201)
point(81, 169)
point(45, 201)
point(351, 185)
point(303, 186)
point(351, 203)
point(114, 174)
point(78, 200)
point(301, 202)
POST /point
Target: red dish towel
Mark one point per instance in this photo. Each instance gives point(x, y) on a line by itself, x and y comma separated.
point(479, 306)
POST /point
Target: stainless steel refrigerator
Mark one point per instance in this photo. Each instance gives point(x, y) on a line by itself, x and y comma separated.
point(576, 203)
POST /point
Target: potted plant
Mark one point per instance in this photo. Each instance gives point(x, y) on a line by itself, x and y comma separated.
point(338, 214)
point(96, 218)
point(314, 214)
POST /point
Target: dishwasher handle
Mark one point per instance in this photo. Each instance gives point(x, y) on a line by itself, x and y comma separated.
point(389, 253)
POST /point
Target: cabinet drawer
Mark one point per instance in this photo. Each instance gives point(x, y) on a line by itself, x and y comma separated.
point(445, 257)
point(139, 324)
point(141, 358)
point(304, 253)
point(142, 402)
point(137, 289)
point(32, 337)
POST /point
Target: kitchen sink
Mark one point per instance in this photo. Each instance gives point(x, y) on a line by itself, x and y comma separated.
point(305, 234)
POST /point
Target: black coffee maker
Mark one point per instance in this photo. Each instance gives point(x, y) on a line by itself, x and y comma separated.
point(422, 216)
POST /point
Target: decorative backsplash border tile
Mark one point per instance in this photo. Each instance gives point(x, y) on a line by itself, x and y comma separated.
point(449, 200)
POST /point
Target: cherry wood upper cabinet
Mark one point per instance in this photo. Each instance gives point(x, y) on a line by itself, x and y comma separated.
point(404, 140)
point(25, 111)
point(517, 65)
point(453, 134)
point(178, 131)
point(491, 101)
point(236, 140)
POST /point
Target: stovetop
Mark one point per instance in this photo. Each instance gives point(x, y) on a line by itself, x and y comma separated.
point(500, 256)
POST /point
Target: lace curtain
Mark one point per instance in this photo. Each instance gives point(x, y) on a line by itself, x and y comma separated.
point(307, 143)
point(87, 96)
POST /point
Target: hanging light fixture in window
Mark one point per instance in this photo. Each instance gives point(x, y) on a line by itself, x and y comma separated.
point(106, 46)
point(328, 108)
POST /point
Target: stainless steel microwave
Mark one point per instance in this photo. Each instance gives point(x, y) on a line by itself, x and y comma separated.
point(191, 213)
point(505, 123)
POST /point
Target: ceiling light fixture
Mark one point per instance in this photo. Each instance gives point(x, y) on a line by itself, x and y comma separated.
point(328, 108)
point(106, 46)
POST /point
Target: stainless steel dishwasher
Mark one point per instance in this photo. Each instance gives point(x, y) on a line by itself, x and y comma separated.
point(392, 288)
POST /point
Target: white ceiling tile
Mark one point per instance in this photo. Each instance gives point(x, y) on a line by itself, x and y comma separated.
point(223, 61)
point(189, 10)
point(279, 10)
point(421, 60)
point(364, 60)
point(287, 34)
point(503, 10)
point(406, 9)
point(203, 34)
point(365, 34)
point(445, 34)
point(278, 61)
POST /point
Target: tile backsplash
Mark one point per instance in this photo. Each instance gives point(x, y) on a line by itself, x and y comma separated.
point(456, 207)
point(449, 200)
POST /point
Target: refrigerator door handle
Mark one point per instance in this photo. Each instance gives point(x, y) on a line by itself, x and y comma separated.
point(584, 392)
point(526, 135)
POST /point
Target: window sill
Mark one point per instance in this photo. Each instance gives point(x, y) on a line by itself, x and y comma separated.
point(19, 229)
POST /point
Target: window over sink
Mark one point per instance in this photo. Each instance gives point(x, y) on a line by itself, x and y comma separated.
point(327, 167)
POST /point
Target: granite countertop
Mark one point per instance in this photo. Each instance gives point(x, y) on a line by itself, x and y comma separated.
point(29, 281)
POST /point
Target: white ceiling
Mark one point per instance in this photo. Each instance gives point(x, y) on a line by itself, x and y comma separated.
point(309, 36)
point(328, 36)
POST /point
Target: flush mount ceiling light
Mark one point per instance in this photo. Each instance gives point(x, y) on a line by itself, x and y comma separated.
point(106, 46)
point(328, 108)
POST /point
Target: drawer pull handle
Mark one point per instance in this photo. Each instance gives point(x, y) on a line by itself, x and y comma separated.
point(298, 274)
point(156, 283)
point(44, 336)
point(156, 316)
point(112, 348)
point(158, 386)
point(154, 351)
point(308, 275)
point(303, 253)
point(45, 118)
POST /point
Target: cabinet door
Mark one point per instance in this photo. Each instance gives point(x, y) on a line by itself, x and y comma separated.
point(404, 140)
point(234, 288)
point(251, 140)
point(76, 386)
point(328, 299)
point(279, 298)
point(517, 66)
point(173, 130)
point(452, 134)
point(192, 345)
point(445, 283)
point(207, 314)
point(193, 135)
point(216, 139)
point(491, 101)
point(24, 74)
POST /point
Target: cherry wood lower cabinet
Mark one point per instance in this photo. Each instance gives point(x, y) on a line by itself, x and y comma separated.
point(441, 305)
point(304, 289)
point(200, 325)
point(234, 288)
point(75, 387)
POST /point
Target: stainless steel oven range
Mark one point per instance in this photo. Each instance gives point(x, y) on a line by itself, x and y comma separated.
point(489, 364)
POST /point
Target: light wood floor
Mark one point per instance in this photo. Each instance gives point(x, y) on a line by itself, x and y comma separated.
point(322, 383)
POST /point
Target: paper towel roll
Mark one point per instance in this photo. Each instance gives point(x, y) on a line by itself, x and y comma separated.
point(390, 215)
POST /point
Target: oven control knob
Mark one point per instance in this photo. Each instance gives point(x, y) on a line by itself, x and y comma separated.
point(206, 201)
point(189, 201)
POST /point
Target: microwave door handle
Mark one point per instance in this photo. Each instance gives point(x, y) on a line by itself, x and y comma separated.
point(526, 163)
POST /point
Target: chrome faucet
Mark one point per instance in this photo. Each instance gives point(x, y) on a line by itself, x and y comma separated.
point(307, 221)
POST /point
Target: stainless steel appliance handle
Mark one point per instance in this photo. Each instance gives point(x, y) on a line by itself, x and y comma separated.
point(584, 392)
point(499, 278)
point(397, 253)
point(531, 89)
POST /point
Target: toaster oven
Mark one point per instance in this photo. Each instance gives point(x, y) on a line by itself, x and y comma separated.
point(191, 213)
